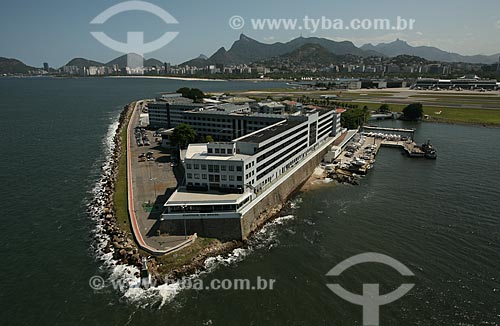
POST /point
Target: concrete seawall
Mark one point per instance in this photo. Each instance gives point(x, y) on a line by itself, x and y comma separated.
point(257, 212)
point(271, 205)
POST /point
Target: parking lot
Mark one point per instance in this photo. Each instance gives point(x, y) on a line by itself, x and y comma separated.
point(153, 181)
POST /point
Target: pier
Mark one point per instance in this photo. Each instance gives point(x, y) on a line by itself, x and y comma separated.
point(385, 129)
point(358, 155)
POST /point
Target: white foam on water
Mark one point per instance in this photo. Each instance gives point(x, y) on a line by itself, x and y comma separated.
point(124, 278)
point(295, 202)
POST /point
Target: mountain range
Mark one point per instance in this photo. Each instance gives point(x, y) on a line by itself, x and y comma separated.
point(120, 62)
point(308, 55)
point(248, 50)
point(399, 47)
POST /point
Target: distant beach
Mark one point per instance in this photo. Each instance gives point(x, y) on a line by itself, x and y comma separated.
point(168, 77)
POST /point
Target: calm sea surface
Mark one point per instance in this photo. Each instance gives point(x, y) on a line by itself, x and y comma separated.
point(440, 218)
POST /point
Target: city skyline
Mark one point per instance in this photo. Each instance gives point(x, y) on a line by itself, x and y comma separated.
point(56, 32)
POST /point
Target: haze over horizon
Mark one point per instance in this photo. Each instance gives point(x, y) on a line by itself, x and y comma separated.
point(57, 31)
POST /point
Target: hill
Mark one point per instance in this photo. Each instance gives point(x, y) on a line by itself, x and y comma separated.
point(14, 66)
point(400, 47)
point(82, 62)
point(247, 50)
point(310, 55)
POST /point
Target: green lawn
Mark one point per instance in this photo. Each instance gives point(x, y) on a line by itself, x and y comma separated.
point(473, 116)
point(486, 96)
point(460, 115)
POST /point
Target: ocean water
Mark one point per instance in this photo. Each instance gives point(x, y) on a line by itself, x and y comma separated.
point(440, 218)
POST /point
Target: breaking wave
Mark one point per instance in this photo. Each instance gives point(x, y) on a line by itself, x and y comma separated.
point(125, 278)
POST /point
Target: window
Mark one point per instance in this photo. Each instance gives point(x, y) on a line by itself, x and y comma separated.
point(204, 176)
point(210, 151)
point(214, 178)
point(223, 168)
point(189, 175)
point(217, 151)
point(231, 168)
point(239, 178)
point(196, 176)
point(188, 166)
point(238, 168)
point(203, 166)
point(231, 178)
point(222, 151)
point(196, 166)
point(223, 177)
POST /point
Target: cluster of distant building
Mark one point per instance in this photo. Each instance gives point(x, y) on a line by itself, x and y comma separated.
point(464, 83)
point(371, 65)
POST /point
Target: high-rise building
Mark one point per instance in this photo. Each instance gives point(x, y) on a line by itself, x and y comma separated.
point(46, 66)
point(167, 67)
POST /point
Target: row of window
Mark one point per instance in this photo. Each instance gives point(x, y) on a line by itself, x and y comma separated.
point(214, 177)
point(276, 141)
point(213, 167)
point(323, 123)
point(278, 148)
point(220, 151)
point(324, 129)
point(274, 166)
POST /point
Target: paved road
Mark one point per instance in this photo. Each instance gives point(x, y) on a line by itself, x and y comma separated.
point(152, 183)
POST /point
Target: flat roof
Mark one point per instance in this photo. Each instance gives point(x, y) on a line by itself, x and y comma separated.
point(183, 197)
point(262, 135)
point(200, 152)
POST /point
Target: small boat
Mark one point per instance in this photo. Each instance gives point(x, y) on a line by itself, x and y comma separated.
point(429, 150)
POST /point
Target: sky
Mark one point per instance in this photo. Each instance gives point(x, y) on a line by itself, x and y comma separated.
point(55, 31)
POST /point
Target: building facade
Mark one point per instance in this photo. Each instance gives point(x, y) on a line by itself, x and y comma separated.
point(221, 177)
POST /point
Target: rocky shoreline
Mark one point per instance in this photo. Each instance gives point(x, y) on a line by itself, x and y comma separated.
point(101, 207)
point(112, 240)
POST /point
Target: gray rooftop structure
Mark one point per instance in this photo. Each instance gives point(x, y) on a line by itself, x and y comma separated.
point(262, 135)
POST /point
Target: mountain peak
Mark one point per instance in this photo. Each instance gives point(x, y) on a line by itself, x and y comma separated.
point(243, 37)
point(220, 50)
point(399, 41)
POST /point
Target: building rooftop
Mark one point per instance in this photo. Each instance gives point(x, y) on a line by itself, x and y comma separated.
point(199, 152)
point(236, 100)
point(264, 134)
point(184, 197)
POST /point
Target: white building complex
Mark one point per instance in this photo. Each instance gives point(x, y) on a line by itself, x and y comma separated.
point(224, 178)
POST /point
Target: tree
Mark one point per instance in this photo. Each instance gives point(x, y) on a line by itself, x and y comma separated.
point(182, 135)
point(207, 139)
point(192, 93)
point(384, 108)
point(413, 112)
point(353, 118)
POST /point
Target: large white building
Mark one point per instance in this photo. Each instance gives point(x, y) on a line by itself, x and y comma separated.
point(222, 177)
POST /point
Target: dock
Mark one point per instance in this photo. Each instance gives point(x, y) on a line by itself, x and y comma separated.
point(385, 129)
point(358, 155)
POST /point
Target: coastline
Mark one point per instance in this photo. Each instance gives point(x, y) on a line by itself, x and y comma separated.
point(167, 77)
point(115, 244)
point(120, 245)
point(463, 123)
